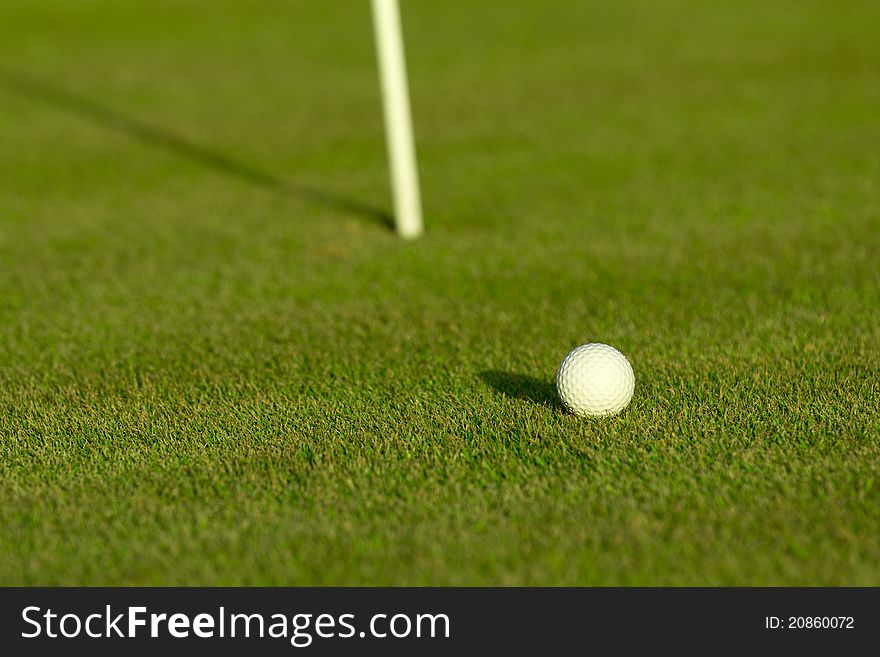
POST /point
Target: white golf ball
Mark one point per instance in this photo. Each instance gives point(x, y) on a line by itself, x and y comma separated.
point(595, 379)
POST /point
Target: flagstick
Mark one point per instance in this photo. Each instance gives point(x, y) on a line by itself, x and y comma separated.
point(398, 119)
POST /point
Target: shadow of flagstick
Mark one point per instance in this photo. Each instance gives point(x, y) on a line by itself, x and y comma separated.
point(111, 119)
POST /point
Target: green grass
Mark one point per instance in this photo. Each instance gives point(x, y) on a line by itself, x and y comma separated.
point(219, 366)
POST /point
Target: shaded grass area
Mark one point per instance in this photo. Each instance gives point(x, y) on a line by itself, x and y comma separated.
point(209, 380)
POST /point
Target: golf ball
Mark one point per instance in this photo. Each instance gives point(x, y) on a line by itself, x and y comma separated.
point(595, 379)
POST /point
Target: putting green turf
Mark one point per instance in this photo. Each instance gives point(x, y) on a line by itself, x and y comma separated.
point(219, 366)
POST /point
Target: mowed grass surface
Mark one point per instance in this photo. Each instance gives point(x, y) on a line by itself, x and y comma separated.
point(219, 366)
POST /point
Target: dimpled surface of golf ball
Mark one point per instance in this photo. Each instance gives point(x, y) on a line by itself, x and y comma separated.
point(595, 379)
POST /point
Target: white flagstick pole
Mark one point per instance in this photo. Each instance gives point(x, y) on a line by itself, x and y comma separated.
point(398, 120)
